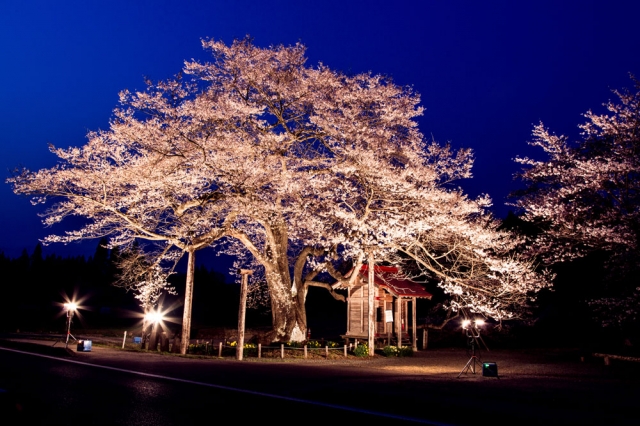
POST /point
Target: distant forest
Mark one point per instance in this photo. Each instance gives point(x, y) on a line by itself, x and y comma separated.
point(35, 287)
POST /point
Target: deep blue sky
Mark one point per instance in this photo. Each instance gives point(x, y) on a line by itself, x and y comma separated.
point(487, 71)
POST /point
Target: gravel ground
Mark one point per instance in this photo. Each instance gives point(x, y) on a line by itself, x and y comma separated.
point(535, 386)
point(534, 362)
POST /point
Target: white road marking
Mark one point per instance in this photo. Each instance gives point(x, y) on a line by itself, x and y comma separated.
point(246, 391)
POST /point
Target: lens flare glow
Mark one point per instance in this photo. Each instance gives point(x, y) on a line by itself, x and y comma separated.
point(154, 317)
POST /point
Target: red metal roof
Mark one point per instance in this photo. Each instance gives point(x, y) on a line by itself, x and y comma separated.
point(391, 278)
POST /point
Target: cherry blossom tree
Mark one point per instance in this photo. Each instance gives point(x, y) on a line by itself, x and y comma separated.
point(406, 212)
point(298, 166)
point(126, 193)
point(586, 196)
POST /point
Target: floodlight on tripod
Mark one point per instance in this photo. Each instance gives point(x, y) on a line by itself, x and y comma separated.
point(474, 340)
point(70, 309)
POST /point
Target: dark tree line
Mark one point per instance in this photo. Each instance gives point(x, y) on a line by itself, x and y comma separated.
point(35, 287)
point(565, 314)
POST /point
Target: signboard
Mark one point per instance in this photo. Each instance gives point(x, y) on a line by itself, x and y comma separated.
point(388, 315)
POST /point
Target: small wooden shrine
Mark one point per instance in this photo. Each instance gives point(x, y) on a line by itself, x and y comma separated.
point(392, 294)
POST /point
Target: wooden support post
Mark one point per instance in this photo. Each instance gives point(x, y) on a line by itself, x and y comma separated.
point(326, 351)
point(398, 321)
point(305, 351)
point(414, 323)
point(259, 350)
point(345, 351)
point(188, 301)
point(220, 350)
point(389, 327)
point(405, 317)
point(124, 339)
point(372, 313)
point(242, 311)
point(282, 350)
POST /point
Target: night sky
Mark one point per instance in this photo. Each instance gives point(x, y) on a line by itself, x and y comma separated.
point(486, 71)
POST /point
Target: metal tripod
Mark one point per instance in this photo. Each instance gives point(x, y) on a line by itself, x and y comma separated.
point(475, 359)
point(69, 319)
point(474, 339)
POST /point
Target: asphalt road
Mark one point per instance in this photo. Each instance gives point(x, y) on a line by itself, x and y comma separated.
point(109, 386)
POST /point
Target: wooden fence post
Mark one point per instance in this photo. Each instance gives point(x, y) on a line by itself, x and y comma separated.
point(259, 350)
point(425, 338)
point(282, 350)
point(220, 350)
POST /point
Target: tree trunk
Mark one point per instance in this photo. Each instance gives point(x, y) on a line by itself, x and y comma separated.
point(287, 310)
point(287, 300)
point(145, 325)
point(177, 339)
point(153, 338)
point(188, 298)
point(164, 342)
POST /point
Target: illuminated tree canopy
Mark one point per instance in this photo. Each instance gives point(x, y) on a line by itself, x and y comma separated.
point(300, 167)
point(586, 197)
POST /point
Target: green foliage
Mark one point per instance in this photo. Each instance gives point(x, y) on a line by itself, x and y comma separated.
point(361, 350)
point(321, 344)
point(248, 349)
point(390, 351)
point(200, 349)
